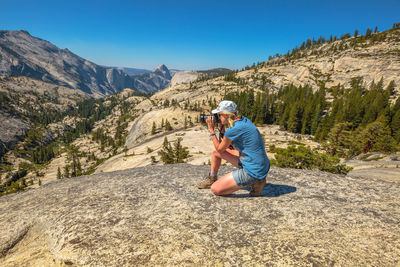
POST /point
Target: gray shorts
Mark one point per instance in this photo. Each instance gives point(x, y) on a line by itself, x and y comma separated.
point(243, 179)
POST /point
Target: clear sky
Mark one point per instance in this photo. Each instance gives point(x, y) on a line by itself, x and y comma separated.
point(190, 35)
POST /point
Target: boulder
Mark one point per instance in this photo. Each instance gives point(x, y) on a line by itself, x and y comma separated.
point(184, 77)
point(155, 216)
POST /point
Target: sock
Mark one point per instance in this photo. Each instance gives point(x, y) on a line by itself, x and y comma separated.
point(213, 174)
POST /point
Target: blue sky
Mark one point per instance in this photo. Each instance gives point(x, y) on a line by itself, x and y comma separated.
point(190, 35)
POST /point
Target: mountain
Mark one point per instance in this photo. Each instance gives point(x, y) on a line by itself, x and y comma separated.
point(133, 71)
point(214, 72)
point(163, 71)
point(332, 63)
point(191, 76)
point(152, 82)
point(24, 55)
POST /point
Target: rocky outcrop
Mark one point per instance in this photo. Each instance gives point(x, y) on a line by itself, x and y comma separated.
point(155, 216)
point(184, 77)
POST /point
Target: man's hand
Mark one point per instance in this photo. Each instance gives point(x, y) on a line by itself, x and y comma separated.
point(210, 124)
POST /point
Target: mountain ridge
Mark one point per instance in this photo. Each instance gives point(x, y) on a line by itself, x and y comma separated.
point(334, 63)
point(26, 55)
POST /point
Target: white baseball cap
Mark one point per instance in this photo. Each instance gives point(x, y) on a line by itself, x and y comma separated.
point(226, 106)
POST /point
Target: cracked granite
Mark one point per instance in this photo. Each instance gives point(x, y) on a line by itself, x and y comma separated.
point(155, 215)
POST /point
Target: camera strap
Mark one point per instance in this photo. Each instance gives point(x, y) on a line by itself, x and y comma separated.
point(220, 134)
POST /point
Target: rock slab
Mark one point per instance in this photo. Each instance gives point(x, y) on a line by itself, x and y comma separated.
point(154, 215)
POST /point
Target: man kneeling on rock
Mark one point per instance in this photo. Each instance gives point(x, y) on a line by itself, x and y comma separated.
point(248, 156)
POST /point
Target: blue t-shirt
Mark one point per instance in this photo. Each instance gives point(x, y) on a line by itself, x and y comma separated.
point(247, 139)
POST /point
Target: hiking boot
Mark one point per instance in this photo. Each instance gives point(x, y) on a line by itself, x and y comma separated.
point(257, 188)
point(207, 182)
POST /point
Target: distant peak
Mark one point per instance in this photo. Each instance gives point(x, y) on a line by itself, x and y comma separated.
point(163, 71)
point(161, 67)
point(24, 31)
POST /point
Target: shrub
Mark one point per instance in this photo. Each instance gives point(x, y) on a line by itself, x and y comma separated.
point(175, 154)
point(272, 148)
point(303, 157)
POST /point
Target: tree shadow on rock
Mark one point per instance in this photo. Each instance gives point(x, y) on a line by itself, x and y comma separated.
point(269, 190)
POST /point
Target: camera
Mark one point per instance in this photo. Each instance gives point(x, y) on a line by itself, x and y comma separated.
point(203, 117)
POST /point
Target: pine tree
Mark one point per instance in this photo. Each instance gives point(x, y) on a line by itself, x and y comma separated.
point(66, 171)
point(153, 129)
point(168, 126)
point(339, 139)
point(78, 168)
point(376, 137)
point(180, 152)
point(390, 88)
point(166, 103)
point(395, 125)
point(283, 122)
point(176, 154)
point(59, 175)
point(368, 32)
point(306, 120)
point(166, 153)
point(294, 122)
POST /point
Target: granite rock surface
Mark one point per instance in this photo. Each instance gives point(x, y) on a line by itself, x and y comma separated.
point(155, 216)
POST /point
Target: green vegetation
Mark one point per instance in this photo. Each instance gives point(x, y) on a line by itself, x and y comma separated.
point(14, 182)
point(358, 119)
point(74, 167)
point(302, 157)
point(39, 147)
point(212, 73)
point(167, 125)
point(173, 154)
